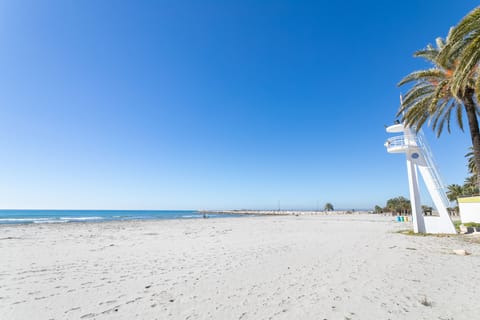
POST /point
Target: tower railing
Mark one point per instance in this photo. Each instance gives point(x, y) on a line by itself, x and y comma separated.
point(399, 142)
point(432, 167)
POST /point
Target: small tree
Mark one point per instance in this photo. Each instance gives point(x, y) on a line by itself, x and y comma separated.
point(328, 207)
point(378, 209)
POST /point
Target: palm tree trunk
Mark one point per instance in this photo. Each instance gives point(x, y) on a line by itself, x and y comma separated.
point(471, 111)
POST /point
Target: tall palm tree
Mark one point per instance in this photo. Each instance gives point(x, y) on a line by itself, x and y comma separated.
point(433, 98)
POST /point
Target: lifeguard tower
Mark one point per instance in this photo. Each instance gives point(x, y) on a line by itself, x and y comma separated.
point(419, 158)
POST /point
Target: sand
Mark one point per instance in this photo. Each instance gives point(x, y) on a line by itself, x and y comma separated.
point(285, 267)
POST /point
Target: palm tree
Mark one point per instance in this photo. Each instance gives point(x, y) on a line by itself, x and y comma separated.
point(433, 98)
point(328, 207)
point(454, 192)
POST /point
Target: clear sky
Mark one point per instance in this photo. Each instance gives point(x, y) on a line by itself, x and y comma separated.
point(210, 104)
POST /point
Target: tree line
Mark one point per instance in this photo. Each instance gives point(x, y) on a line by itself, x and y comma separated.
point(400, 206)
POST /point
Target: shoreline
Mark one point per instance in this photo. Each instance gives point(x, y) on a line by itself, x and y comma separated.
point(23, 217)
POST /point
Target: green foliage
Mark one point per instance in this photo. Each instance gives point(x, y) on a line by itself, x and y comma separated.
point(457, 224)
point(472, 167)
point(472, 181)
point(328, 207)
point(454, 192)
point(470, 186)
point(464, 43)
point(431, 98)
point(398, 205)
point(472, 224)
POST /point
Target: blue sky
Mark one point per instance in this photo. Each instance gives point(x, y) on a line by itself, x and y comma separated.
point(210, 104)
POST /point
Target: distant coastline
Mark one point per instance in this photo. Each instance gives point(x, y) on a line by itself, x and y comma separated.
point(284, 212)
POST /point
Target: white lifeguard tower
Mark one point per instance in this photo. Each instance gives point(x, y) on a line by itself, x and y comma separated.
point(419, 158)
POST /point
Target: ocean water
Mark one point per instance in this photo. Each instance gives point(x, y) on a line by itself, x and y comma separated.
point(65, 216)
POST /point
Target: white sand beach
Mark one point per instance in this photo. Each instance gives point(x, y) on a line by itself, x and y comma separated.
point(276, 267)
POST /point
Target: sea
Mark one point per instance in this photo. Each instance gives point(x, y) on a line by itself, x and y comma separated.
point(71, 216)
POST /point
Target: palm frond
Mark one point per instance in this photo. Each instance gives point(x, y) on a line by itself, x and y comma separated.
point(416, 114)
point(472, 167)
point(423, 75)
point(418, 91)
point(429, 53)
point(470, 22)
point(467, 65)
point(440, 43)
point(457, 35)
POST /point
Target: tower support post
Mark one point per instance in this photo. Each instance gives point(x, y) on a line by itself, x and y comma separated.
point(417, 214)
